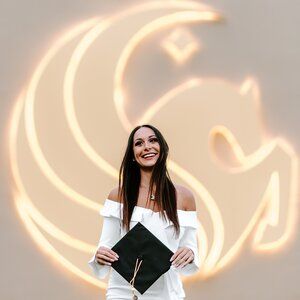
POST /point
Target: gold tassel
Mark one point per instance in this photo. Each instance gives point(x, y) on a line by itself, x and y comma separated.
point(136, 269)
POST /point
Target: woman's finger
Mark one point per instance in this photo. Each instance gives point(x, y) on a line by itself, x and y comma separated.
point(110, 254)
point(113, 253)
point(188, 258)
point(176, 253)
point(103, 262)
point(107, 251)
point(184, 263)
point(106, 257)
point(181, 259)
point(180, 255)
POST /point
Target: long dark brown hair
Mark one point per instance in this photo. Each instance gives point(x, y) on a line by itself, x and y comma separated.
point(130, 177)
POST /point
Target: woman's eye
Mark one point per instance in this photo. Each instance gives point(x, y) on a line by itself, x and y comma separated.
point(151, 140)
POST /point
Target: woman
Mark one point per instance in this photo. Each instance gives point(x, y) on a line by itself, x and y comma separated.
point(146, 194)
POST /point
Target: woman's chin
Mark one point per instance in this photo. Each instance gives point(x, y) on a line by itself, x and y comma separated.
point(148, 165)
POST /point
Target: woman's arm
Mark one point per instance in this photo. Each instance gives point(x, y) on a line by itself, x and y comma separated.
point(110, 234)
point(190, 226)
point(189, 240)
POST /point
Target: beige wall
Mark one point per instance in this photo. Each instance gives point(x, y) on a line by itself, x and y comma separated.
point(257, 38)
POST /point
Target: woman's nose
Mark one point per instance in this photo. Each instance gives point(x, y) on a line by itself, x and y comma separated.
point(147, 146)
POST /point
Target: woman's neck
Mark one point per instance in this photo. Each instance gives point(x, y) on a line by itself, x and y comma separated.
point(145, 178)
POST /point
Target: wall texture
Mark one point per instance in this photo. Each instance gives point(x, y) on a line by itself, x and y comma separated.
point(257, 38)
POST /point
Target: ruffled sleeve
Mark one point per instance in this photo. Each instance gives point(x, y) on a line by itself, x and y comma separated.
point(110, 234)
point(188, 221)
point(111, 209)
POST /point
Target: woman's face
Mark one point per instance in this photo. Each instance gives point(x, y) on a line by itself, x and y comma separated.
point(145, 142)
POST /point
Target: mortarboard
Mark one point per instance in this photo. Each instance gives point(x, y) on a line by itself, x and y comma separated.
point(143, 258)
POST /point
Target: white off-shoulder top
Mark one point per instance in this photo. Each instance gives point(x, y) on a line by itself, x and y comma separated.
point(169, 285)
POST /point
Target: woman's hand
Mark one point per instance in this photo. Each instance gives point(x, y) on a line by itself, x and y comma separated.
point(182, 257)
point(104, 256)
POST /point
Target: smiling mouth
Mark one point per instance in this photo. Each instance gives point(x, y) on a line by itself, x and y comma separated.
point(149, 157)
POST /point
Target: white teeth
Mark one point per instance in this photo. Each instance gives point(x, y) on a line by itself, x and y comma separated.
point(148, 155)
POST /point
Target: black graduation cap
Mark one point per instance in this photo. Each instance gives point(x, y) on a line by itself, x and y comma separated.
point(141, 254)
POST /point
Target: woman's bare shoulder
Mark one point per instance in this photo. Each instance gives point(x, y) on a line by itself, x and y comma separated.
point(186, 199)
point(113, 195)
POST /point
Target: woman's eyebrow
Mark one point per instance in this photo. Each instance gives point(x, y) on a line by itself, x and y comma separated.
point(142, 139)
